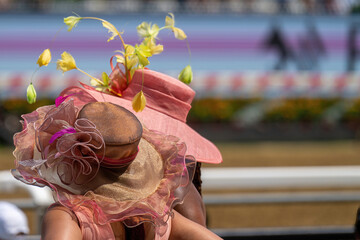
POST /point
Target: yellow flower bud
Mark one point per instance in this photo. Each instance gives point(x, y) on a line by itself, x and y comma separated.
point(71, 22)
point(105, 78)
point(139, 102)
point(186, 75)
point(179, 34)
point(66, 63)
point(44, 58)
point(170, 23)
point(31, 94)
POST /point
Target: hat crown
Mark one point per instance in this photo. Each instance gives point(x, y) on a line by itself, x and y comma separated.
point(165, 84)
point(120, 129)
point(163, 93)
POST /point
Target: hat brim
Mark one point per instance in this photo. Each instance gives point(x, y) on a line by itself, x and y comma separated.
point(198, 146)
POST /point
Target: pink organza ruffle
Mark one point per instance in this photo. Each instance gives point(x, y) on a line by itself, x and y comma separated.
point(72, 155)
point(70, 161)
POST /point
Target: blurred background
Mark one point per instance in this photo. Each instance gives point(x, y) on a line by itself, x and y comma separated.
point(278, 91)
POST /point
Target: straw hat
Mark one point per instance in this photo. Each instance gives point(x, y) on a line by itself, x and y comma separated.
point(168, 104)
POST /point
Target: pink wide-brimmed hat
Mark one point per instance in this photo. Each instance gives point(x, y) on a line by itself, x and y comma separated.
point(168, 104)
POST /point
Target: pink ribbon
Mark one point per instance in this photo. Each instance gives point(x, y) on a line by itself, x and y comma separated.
point(61, 133)
point(121, 162)
point(61, 99)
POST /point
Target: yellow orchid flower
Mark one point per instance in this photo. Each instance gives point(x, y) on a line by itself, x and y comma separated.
point(154, 48)
point(120, 59)
point(66, 63)
point(97, 85)
point(157, 49)
point(44, 58)
point(131, 58)
point(186, 75)
point(129, 50)
point(114, 32)
point(146, 30)
point(170, 23)
point(139, 102)
point(143, 52)
point(31, 94)
point(135, 56)
point(143, 61)
point(71, 22)
point(131, 61)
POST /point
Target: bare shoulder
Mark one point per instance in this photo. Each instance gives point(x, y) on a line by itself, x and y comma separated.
point(59, 217)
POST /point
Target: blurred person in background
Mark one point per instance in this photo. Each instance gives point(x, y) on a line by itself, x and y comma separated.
point(13, 222)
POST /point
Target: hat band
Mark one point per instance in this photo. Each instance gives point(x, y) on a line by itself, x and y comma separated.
point(117, 163)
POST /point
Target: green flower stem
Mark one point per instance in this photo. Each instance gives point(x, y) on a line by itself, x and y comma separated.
point(164, 27)
point(102, 20)
point(32, 75)
point(121, 39)
point(188, 47)
point(97, 80)
point(142, 78)
point(56, 34)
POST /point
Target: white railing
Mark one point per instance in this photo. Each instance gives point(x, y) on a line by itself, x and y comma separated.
point(328, 177)
point(281, 177)
point(264, 178)
point(39, 197)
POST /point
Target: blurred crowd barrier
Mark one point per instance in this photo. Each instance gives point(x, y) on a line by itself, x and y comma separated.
point(332, 7)
point(216, 84)
point(247, 105)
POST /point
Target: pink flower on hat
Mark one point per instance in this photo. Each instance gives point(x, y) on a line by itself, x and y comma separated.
point(63, 143)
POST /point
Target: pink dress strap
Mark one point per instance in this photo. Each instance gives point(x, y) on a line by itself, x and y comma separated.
point(163, 232)
point(89, 229)
point(167, 233)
